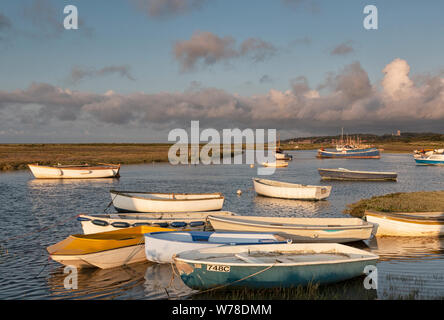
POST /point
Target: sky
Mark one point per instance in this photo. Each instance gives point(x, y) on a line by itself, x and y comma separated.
point(136, 69)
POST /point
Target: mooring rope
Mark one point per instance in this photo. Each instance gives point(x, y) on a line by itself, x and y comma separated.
point(224, 285)
point(111, 202)
point(135, 250)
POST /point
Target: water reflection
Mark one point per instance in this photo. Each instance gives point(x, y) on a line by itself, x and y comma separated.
point(98, 283)
point(286, 207)
point(409, 268)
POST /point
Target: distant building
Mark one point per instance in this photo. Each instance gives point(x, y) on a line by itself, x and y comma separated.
point(398, 133)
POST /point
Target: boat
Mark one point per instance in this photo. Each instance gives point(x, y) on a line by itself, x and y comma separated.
point(346, 174)
point(132, 201)
point(286, 190)
point(299, 229)
point(407, 224)
point(75, 171)
point(162, 246)
point(276, 164)
point(364, 153)
point(103, 250)
point(108, 222)
point(435, 159)
point(271, 265)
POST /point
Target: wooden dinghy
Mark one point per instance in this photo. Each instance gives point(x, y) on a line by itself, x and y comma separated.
point(407, 224)
point(103, 250)
point(276, 164)
point(130, 201)
point(108, 222)
point(299, 229)
point(75, 171)
point(271, 265)
point(162, 246)
point(345, 174)
point(285, 190)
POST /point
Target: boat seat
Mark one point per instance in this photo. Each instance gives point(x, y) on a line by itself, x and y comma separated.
point(246, 258)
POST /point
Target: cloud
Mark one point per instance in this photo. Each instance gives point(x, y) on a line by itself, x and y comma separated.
point(265, 79)
point(81, 73)
point(208, 49)
point(349, 100)
point(342, 49)
point(167, 8)
point(5, 22)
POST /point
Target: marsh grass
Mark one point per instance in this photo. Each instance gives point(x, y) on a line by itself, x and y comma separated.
point(350, 290)
point(422, 201)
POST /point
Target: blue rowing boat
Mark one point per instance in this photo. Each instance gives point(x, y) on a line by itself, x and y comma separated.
point(271, 265)
point(365, 153)
point(434, 160)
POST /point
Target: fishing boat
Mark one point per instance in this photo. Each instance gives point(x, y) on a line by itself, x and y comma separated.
point(299, 229)
point(345, 174)
point(132, 201)
point(285, 190)
point(162, 246)
point(271, 265)
point(407, 224)
point(108, 222)
point(358, 153)
point(435, 159)
point(276, 164)
point(103, 250)
point(75, 171)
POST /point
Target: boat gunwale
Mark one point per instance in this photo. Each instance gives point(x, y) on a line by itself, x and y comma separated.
point(290, 184)
point(77, 167)
point(411, 218)
point(365, 225)
point(126, 194)
point(357, 171)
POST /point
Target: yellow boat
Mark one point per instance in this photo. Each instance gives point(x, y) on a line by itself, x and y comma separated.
point(103, 250)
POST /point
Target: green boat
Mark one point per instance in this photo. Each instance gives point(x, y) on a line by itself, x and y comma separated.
point(271, 265)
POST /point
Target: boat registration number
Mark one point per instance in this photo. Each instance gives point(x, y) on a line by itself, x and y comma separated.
point(218, 268)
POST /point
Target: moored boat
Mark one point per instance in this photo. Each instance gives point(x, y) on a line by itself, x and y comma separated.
point(74, 171)
point(365, 153)
point(276, 164)
point(345, 174)
point(299, 229)
point(286, 190)
point(436, 159)
point(162, 246)
point(131, 201)
point(407, 224)
point(108, 222)
point(271, 265)
point(103, 250)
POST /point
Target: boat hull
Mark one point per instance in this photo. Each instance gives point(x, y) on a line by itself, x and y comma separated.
point(371, 153)
point(428, 162)
point(44, 172)
point(191, 221)
point(161, 248)
point(407, 225)
point(336, 174)
point(200, 274)
point(328, 230)
point(166, 203)
point(291, 191)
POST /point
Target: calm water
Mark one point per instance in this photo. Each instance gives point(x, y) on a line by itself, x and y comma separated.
point(409, 268)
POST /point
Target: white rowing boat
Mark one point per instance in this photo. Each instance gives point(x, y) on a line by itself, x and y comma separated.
point(285, 190)
point(108, 222)
point(130, 201)
point(407, 224)
point(299, 229)
point(74, 171)
point(276, 164)
point(162, 246)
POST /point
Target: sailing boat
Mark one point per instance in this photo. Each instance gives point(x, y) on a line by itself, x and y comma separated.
point(279, 154)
